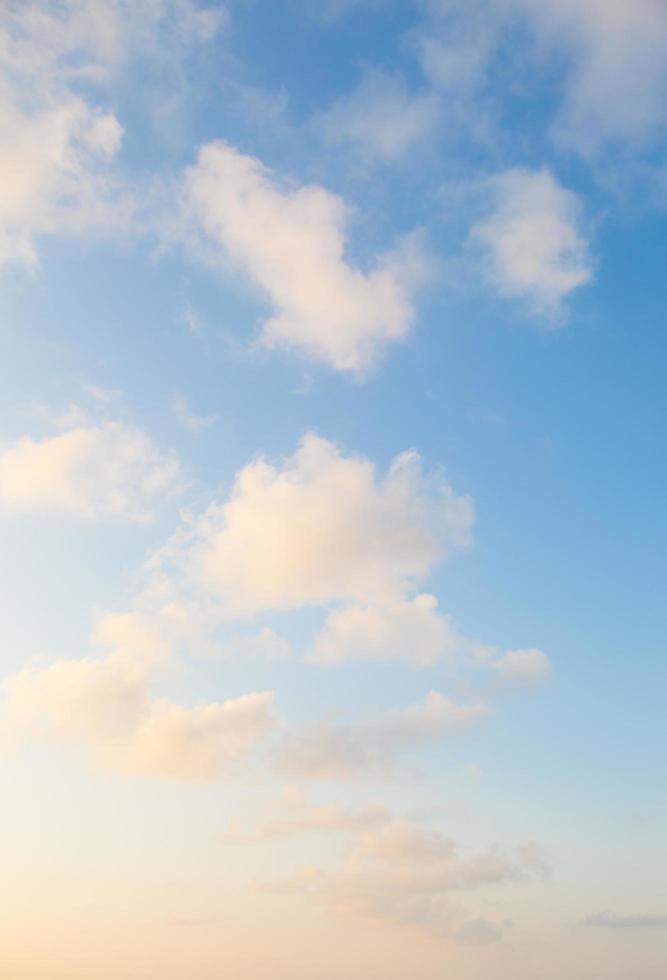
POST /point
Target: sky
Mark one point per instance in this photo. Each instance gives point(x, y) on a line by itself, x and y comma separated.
point(332, 481)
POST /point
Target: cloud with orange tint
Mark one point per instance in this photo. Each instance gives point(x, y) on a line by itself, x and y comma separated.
point(410, 876)
point(91, 472)
point(330, 750)
point(106, 704)
point(317, 527)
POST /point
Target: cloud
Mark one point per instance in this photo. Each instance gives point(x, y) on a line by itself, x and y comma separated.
point(54, 174)
point(454, 45)
point(204, 742)
point(58, 146)
point(406, 630)
point(535, 859)
point(332, 750)
point(381, 116)
point(431, 717)
point(291, 243)
point(90, 471)
point(188, 419)
point(105, 703)
point(290, 815)
point(523, 666)
point(414, 632)
point(328, 11)
point(608, 62)
point(407, 875)
point(58, 42)
point(616, 68)
point(614, 922)
point(91, 698)
point(318, 527)
point(265, 644)
point(534, 248)
point(104, 396)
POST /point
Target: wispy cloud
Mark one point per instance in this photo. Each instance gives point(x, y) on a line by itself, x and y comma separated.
point(632, 920)
point(189, 419)
point(333, 750)
point(290, 815)
point(409, 876)
point(381, 117)
point(59, 143)
point(616, 70)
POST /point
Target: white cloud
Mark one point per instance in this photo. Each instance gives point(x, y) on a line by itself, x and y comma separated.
point(533, 242)
point(381, 116)
point(104, 396)
point(617, 67)
point(331, 750)
point(523, 666)
point(409, 630)
point(318, 528)
point(427, 719)
point(609, 62)
point(90, 471)
point(414, 632)
point(57, 145)
point(57, 42)
point(54, 174)
point(454, 45)
point(291, 243)
point(105, 703)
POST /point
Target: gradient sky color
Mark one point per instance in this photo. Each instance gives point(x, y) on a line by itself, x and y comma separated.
point(331, 489)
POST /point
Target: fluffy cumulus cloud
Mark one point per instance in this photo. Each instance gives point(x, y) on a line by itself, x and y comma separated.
point(290, 241)
point(105, 703)
point(381, 116)
point(203, 742)
point(415, 632)
point(333, 750)
point(532, 239)
point(320, 527)
point(89, 471)
point(408, 875)
point(411, 630)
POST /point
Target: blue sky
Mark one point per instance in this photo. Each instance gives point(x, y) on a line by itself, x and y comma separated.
point(331, 483)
